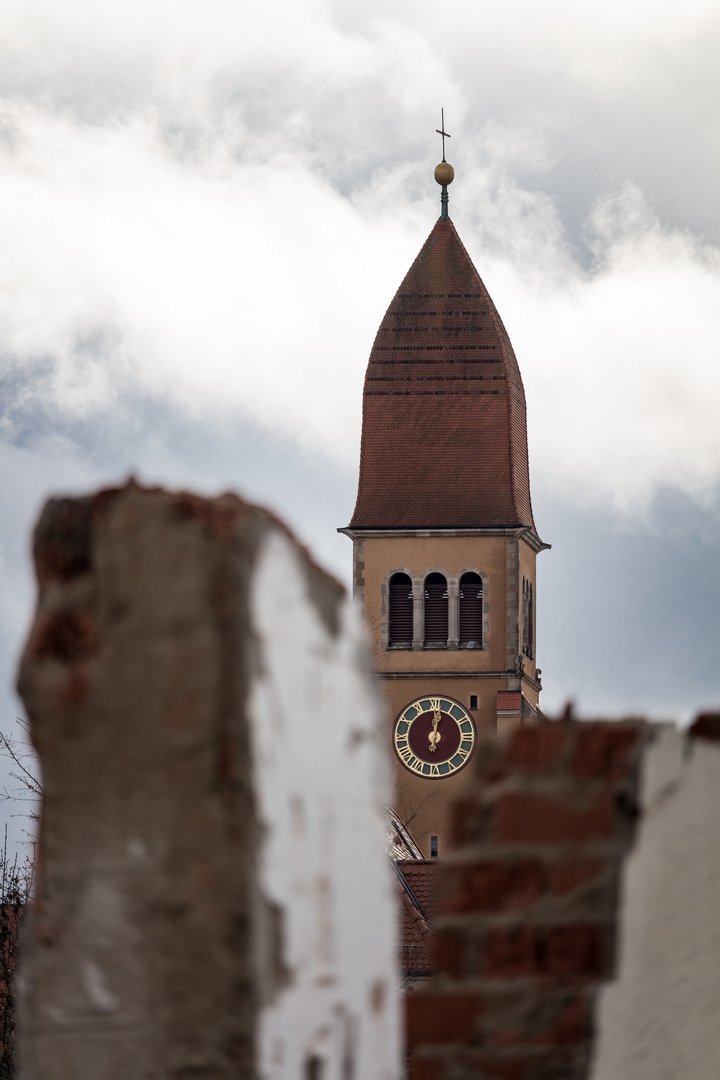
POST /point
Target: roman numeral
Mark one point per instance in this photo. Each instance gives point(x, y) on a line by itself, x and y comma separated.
point(408, 757)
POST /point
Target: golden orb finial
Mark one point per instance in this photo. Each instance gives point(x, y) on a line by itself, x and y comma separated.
point(444, 173)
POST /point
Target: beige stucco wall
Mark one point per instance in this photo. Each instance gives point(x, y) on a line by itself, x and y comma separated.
point(425, 804)
point(659, 1019)
point(452, 555)
point(406, 674)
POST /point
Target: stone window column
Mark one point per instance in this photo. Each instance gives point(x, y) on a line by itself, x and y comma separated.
point(418, 613)
point(385, 613)
point(453, 613)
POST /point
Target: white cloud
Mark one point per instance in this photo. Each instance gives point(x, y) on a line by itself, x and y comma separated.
point(205, 208)
point(622, 364)
point(231, 288)
point(213, 205)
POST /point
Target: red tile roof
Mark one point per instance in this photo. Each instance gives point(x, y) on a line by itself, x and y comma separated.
point(444, 441)
point(420, 876)
point(417, 905)
point(508, 701)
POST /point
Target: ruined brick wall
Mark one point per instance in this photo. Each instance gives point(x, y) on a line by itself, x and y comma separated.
point(576, 935)
point(658, 1019)
point(213, 899)
point(527, 906)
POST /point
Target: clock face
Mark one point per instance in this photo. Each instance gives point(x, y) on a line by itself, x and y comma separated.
point(434, 737)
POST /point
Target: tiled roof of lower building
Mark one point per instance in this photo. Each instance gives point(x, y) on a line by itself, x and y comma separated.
point(416, 893)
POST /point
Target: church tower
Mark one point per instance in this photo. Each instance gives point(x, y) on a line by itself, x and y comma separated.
point(444, 541)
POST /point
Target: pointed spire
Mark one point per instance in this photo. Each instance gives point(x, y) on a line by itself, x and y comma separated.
point(444, 441)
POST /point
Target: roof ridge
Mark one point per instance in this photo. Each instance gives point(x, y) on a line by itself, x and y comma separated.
point(409, 891)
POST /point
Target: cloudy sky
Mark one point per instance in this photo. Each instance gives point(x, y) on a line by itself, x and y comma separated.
point(205, 209)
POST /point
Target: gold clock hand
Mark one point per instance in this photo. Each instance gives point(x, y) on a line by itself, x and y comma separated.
point(434, 736)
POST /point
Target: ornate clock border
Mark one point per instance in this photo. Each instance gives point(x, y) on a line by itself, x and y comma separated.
point(434, 737)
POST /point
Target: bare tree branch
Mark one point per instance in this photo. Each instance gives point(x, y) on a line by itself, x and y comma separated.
point(16, 881)
point(30, 788)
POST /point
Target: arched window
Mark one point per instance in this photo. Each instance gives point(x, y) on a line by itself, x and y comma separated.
point(436, 610)
point(400, 624)
point(527, 617)
point(471, 611)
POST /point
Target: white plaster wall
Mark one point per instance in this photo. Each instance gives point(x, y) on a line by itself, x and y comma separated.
point(660, 1020)
point(321, 784)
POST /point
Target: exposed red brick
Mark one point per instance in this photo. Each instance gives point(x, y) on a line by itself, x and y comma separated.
point(541, 971)
point(555, 951)
point(218, 516)
point(536, 1063)
point(76, 688)
point(571, 950)
point(424, 1069)
point(602, 751)
point(510, 953)
point(447, 953)
point(523, 817)
point(566, 875)
point(494, 1068)
point(533, 749)
point(573, 1025)
point(434, 1018)
point(491, 763)
point(63, 540)
point(444, 440)
point(493, 885)
point(545, 1064)
point(539, 1017)
point(505, 1070)
point(68, 637)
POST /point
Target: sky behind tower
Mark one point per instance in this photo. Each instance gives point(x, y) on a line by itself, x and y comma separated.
point(206, 208)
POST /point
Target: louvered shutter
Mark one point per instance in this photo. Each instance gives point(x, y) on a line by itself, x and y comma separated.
point(401, 610)
point(530, 620)
point(471, 609)
point(436, 610)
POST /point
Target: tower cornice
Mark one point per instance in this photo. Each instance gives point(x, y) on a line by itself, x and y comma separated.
point(523, 532)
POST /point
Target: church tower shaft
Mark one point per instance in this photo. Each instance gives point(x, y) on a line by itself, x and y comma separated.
point(444, 541)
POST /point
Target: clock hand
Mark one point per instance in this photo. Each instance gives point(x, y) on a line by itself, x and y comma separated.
point(434, 736)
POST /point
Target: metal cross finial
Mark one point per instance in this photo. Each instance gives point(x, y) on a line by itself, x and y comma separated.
point(441, 130)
